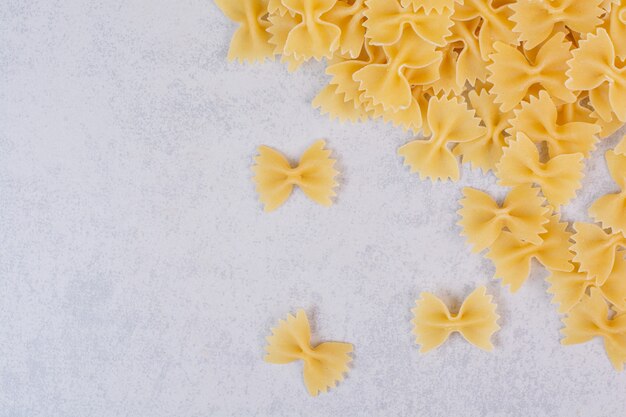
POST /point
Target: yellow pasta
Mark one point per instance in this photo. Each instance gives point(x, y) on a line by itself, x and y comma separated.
point(251, 41)
point(589, 319)
point(450, 122)
point(512, 257)
point(617, 28)
point(610, 210)
point(523, 213)
point(535, 20)
point(569, 288)
point(429, 5)
point(275, 178)
point(538, 120)
point(513, 74)
point(486, 151)
point(349, 19)
point(596, 250)
point(559, 177)
point(324, 364)
point(606, 71)
point(476, 321)
point(621, 147)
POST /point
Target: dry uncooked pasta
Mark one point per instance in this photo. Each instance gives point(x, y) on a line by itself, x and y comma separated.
point(522, 88)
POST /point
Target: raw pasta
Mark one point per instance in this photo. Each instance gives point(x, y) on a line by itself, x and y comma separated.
point(523, 213)
point(596, 250)
point(476, 321)
point(275, 178)
point(610, 210)
point(324, 364)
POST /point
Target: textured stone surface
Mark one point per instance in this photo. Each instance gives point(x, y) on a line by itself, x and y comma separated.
point(139, 275)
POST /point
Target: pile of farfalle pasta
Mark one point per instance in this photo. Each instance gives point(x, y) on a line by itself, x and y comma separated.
point(524, 89)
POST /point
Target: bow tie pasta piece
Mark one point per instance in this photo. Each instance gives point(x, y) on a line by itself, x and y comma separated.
point(324, 364)
point(275, 178)
point(486, 151)
point(429, 5)
point(387, 84)
point(496, 23)
point(513, 74)
point(512, 257)
point(476, 321)
point(569, 288)
point(610, 210)
point(523, 213)
point(470, 65)
point(596, 250)
point(349, 19)
point(559, 178)
point(535, 20)
point(337, 106)
point(251, 41)
point(589, 319)
point(387, 20)
point(281, 26)
point(617, 28)
point(450, 122)
point(538, 120)
point(599, 50)
point(313, 37)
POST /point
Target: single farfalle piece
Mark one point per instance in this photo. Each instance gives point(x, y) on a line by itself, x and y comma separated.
point(559, 177)
point(536, 20)
point(589, 319)
point(314, 37)
point(523, 213)
point(275, 178)
point(281, 26)
point(596, 250)
point(387, 20)
point(450, 121)
point(605, 70)
point(512, 257)
point(513, 74)
point(486, 151)
point(251, 41)
point(568, 288)
point(430, 5)
point(324, 364)
point(610, 210)
point(388, 84)
point(433, 323)
point(617, 28)
point(538, 120)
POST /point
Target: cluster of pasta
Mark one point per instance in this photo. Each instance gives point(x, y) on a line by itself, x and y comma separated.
point(522, 88)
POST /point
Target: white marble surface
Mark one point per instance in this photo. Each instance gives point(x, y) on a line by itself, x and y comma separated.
point(139, 275)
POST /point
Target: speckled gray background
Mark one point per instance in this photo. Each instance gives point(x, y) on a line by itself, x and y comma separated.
point(139, 275)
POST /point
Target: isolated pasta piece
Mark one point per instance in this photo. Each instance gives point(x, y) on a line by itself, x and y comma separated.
point(450, 122)
point(523, 213)
point(486, 151)
point(250, 41)
point(559, 178)
point(429, 5)
point(569, 288)
point(314, 37)
point(387, 84)
point(617, 28)
point(476, 320)
point(275, 178)
point(621, 147)
point(324, 364)
point(536, 20)
point(589, 319)
point(610, 210)
point(513, 74)
point(512, 257)
point(606, 70)
point(538, 119)
point(596, 250)
point(388, 20)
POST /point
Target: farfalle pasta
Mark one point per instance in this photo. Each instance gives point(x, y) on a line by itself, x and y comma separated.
point(610, 210)
point(559, 177)
point(450, 122)
point(275, 177)
point(512, 257)
point(483, 220)
point(324, 364)
point(589, 319)
point(476, 321)
point(596, 250)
